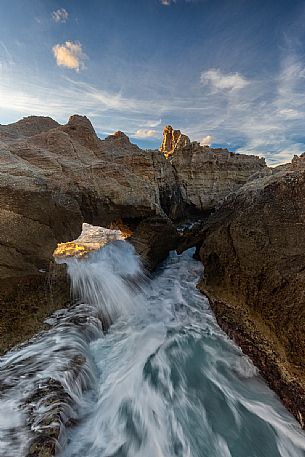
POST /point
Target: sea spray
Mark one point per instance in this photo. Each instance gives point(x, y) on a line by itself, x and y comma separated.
point(108, 279)
point(43, 381)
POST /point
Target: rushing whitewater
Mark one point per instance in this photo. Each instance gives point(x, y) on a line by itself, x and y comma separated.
point(157, 378)
point(107, 279)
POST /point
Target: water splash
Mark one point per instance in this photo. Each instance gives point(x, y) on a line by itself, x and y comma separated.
point(164, 381)
point(171, 384)
point(108, 279)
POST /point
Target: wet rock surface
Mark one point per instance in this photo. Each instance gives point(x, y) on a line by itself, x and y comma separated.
point(253, 252)
point(27, 301)
point(153, 239)
point(57, 374)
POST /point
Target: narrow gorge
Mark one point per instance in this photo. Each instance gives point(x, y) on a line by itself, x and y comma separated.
point(123, 271)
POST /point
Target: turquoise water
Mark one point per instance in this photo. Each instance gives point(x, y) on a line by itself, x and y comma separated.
point(163, 381)
point(170, 383)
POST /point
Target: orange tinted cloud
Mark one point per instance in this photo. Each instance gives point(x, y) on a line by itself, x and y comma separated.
point(70, 55)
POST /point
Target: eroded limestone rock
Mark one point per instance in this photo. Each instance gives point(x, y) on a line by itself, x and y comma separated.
point(253, 251)
point(53, 178)
point(171, 140)
point(207, 175)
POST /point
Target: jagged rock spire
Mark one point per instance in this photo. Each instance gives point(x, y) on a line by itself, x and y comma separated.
point(171, 140)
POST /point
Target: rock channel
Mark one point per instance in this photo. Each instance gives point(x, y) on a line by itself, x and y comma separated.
point(249, 234)
point(55, 177)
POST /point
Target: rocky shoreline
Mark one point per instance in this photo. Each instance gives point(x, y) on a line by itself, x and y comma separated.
point(253, 252)
point(55, 177)
point(249, 231)
point(245, 332)
point(50, 406)
point(26, 303)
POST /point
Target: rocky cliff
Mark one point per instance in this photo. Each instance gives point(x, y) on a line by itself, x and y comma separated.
point(52, 179)
point(253, 251)
point(55, 177)
point(206, 175)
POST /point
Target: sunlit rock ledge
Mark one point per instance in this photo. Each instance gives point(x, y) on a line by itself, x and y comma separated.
point(91, 239)
point(73, 249)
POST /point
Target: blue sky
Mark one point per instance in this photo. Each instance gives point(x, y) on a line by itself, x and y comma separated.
point(225, 72)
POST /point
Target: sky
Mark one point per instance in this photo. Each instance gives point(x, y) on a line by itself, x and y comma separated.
point(227, 73)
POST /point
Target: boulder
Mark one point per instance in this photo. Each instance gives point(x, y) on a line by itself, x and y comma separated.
point(153, 239)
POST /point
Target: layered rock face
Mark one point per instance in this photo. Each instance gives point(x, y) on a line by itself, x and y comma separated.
point(206, 175)
point(27, 127)
point(53, 178)
point(253, 251)
point(53, 181)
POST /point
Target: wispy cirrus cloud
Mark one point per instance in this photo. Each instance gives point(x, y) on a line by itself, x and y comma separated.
point(60, 15)
point(5, 55)
point(223, 81)
point(108, 110)
point(70, 55)
point(152, 123)
point(170, 2)
point(269, 115)
point(266, 117)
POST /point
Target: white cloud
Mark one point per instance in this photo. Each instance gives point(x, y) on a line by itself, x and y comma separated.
point(266, 118)
point(207, 140)
point(222, 81)
point(60, 15)
point(142, 133)
point(70, 55)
